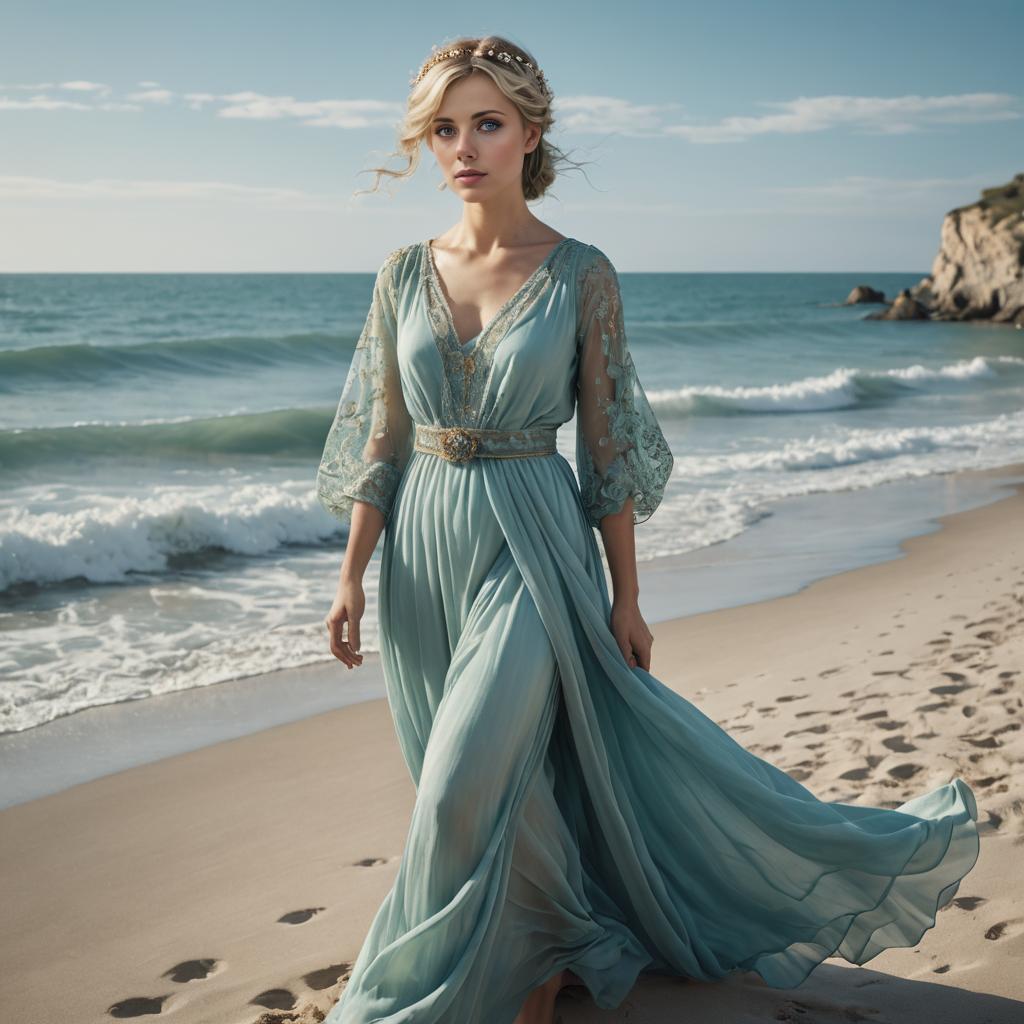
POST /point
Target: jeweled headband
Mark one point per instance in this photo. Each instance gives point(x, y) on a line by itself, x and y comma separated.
point(501, 55)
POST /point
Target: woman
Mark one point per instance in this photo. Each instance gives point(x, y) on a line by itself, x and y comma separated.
point(575, 819)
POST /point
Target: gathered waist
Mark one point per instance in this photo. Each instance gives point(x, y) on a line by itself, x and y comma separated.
point(460, 444)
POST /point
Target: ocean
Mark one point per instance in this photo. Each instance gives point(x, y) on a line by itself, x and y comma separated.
point(160, 435)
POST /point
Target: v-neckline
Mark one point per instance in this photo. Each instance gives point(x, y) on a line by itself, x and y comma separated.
point(464, 346)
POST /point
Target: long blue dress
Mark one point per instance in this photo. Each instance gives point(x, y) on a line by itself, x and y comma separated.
point(571, 811)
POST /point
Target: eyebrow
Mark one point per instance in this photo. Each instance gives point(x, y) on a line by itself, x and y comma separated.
point(479, 113)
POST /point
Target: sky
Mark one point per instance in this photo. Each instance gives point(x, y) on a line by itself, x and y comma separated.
point(720, 136)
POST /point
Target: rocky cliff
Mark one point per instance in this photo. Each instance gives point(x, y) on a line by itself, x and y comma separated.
point(978, 273)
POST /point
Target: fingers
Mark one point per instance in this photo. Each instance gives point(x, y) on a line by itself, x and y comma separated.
point(636, 654)
point(344, 650)
point(640, 655)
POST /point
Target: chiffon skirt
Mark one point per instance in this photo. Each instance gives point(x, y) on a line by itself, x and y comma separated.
point(573, 812)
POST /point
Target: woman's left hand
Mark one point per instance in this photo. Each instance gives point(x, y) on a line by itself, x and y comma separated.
point(631, 633)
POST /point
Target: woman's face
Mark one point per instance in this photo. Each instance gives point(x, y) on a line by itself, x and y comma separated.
point(477, 127)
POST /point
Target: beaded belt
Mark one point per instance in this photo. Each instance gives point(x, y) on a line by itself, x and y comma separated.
point(460, 444)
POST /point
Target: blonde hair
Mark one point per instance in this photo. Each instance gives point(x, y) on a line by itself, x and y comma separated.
point(516, 82)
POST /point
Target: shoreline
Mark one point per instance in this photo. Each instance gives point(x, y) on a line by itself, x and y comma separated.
point(768, 561)
point(263, 858)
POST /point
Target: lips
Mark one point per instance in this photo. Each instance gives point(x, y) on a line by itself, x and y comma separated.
point(470, 174)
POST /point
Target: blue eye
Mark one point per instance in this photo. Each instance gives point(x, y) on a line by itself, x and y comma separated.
point(486, 120)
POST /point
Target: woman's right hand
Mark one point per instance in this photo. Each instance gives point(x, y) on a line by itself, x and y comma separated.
point(348, 606)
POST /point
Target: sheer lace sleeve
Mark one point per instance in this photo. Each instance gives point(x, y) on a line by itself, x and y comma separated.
point(370, 440)
point(620, 449)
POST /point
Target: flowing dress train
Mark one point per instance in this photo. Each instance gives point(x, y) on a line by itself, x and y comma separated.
point(571, 811)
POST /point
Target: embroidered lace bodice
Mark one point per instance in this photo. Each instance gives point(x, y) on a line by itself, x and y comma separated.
point(555, 347)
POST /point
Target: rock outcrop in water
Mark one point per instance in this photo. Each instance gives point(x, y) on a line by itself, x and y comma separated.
point(864, 293)
point(978, 273)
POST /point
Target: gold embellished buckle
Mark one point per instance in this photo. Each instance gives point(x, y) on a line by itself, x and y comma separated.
point(462, 444)
point(458, 445)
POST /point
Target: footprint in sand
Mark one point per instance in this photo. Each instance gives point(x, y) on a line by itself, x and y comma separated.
point(810, 728)
point(969, 902)
point(949, 689)
point(904, 771)
point(986, 742)
point(991, 780)
point(806, 1012)
point(141, 1006)
point(939, 705)
point(274, 999)
point(940, 970)
point(792, 696)
point(898, 745)
point(961, 655)
point(791, 1011)
point(856, 774)
point(325, 977)
point(369, 862)
point(299, 916)
point(191, 970)
point(869, 715)
point(888, 726)
point(137, 1006)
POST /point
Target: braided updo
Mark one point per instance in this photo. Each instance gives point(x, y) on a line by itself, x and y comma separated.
point(518, 76)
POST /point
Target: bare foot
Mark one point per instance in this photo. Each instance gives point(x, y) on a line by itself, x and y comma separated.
point(539, 1007)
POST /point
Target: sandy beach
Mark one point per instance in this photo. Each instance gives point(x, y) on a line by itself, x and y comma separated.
point(234, 883)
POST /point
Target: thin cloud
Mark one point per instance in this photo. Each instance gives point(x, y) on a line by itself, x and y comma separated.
point(873, 115)
point(43, 103)
point(609, 114)
point(875, 192)
point(579, 114)
point(256, 106)
point(197, 100)
point(80, 86)
point(20, 188)
point(152, 96)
